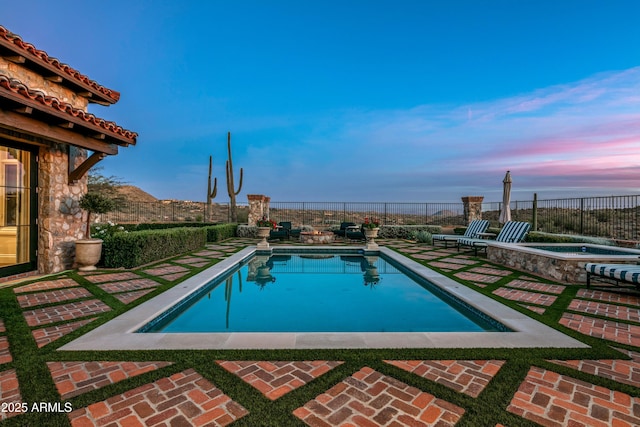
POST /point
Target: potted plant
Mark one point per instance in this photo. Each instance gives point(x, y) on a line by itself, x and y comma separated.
point(88, 250)
point(371, 226)
point(264, 228)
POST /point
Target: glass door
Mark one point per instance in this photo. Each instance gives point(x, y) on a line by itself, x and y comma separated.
point(18, 210)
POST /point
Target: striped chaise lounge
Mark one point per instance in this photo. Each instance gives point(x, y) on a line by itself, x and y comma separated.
point(512, 232)
point(629, 273)
point(476, 226)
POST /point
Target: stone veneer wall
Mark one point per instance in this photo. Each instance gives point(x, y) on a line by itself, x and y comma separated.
point(472, 207)
point(258, 207)
point(559, 270)
point(61, 221)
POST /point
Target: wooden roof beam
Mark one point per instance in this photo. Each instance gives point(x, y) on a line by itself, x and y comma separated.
point(77, 173)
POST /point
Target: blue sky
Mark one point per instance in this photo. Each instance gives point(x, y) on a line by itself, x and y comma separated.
point(414, 101)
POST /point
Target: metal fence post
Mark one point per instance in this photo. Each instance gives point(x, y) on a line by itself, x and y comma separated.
point(582, 215)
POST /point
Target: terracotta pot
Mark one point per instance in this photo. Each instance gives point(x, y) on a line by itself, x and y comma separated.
point(88, 252)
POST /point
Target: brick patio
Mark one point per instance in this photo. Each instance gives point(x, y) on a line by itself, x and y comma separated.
point(365, 398)
point(368, 398)
point(183, 399)
point(275, 379)
point(551, 399)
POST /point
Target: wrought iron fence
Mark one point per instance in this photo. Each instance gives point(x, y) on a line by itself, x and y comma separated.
point(327, 214)
point(616, 217)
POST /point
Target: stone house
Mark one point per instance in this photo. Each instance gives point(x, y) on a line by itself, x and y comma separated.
point(48, 142)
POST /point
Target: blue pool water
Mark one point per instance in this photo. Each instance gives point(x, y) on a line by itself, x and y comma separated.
point(321, 293)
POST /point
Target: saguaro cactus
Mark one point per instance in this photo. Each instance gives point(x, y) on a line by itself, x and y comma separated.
point(230, 185)
point(211, 194)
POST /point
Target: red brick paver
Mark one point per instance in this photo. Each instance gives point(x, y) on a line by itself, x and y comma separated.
point(275, 379)
point(49, 297)
point(551, 399)
point(164, 269)
point(47, 335)
point(9, 393)
point(2, 327)
point(48, 284)
point(609, 297)
point(490, 270)
point(446, 265)
point(112, 277)
point(183, 399)
point(466, 376)
point(43, 316)
point(533, 308)
point(74, 378)
point(535, 286)
point(524, 296)
point(604, 329)
point(622, 371)
point(368, 398)
point(5, 354)
point(606, 310)
point(128, 297)
point(128, 285)
point(477, 277)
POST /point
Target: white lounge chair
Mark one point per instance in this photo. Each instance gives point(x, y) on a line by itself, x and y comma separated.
point(629, 273)
point(475, 227)
point(512, 232)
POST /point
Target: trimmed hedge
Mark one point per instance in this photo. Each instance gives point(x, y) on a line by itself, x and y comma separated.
point(135, 248)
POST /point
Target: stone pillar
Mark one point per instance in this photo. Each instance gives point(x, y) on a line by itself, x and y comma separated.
point(258, 207)
point(472, 208)
point(61, 221)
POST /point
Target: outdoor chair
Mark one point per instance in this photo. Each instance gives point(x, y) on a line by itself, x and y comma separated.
point(281, 233)
point(343, 228)
point(352, 234)
point(475, 227)
point(629, 273)
point(512, 232)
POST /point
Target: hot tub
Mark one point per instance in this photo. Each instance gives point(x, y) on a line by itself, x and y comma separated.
point(561, 262)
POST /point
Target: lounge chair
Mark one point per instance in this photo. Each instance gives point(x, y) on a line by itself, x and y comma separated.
point(475, 227)
point(629, 273)
point(512, 232)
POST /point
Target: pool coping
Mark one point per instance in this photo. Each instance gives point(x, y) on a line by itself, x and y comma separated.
point(119, 333)
point(530, 248)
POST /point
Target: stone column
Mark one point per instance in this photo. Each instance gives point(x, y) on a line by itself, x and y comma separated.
point(61, 221)
point(258, 207)
point(472, 208)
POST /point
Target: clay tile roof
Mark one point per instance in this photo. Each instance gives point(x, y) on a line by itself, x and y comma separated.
point(39, 56)
point(15, 86)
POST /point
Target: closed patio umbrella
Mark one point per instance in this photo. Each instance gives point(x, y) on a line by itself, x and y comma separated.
point(505, 212)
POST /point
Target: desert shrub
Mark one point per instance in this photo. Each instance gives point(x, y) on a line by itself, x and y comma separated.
point(540, 237)
point(406, 231)
point(136, 248)
point(246, 231)
point(423, 237)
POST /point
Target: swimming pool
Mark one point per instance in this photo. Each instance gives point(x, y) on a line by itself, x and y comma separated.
point(319, 292)
point(122, 333)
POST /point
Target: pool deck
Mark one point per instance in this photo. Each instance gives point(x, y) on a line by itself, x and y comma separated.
point(404, 387)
